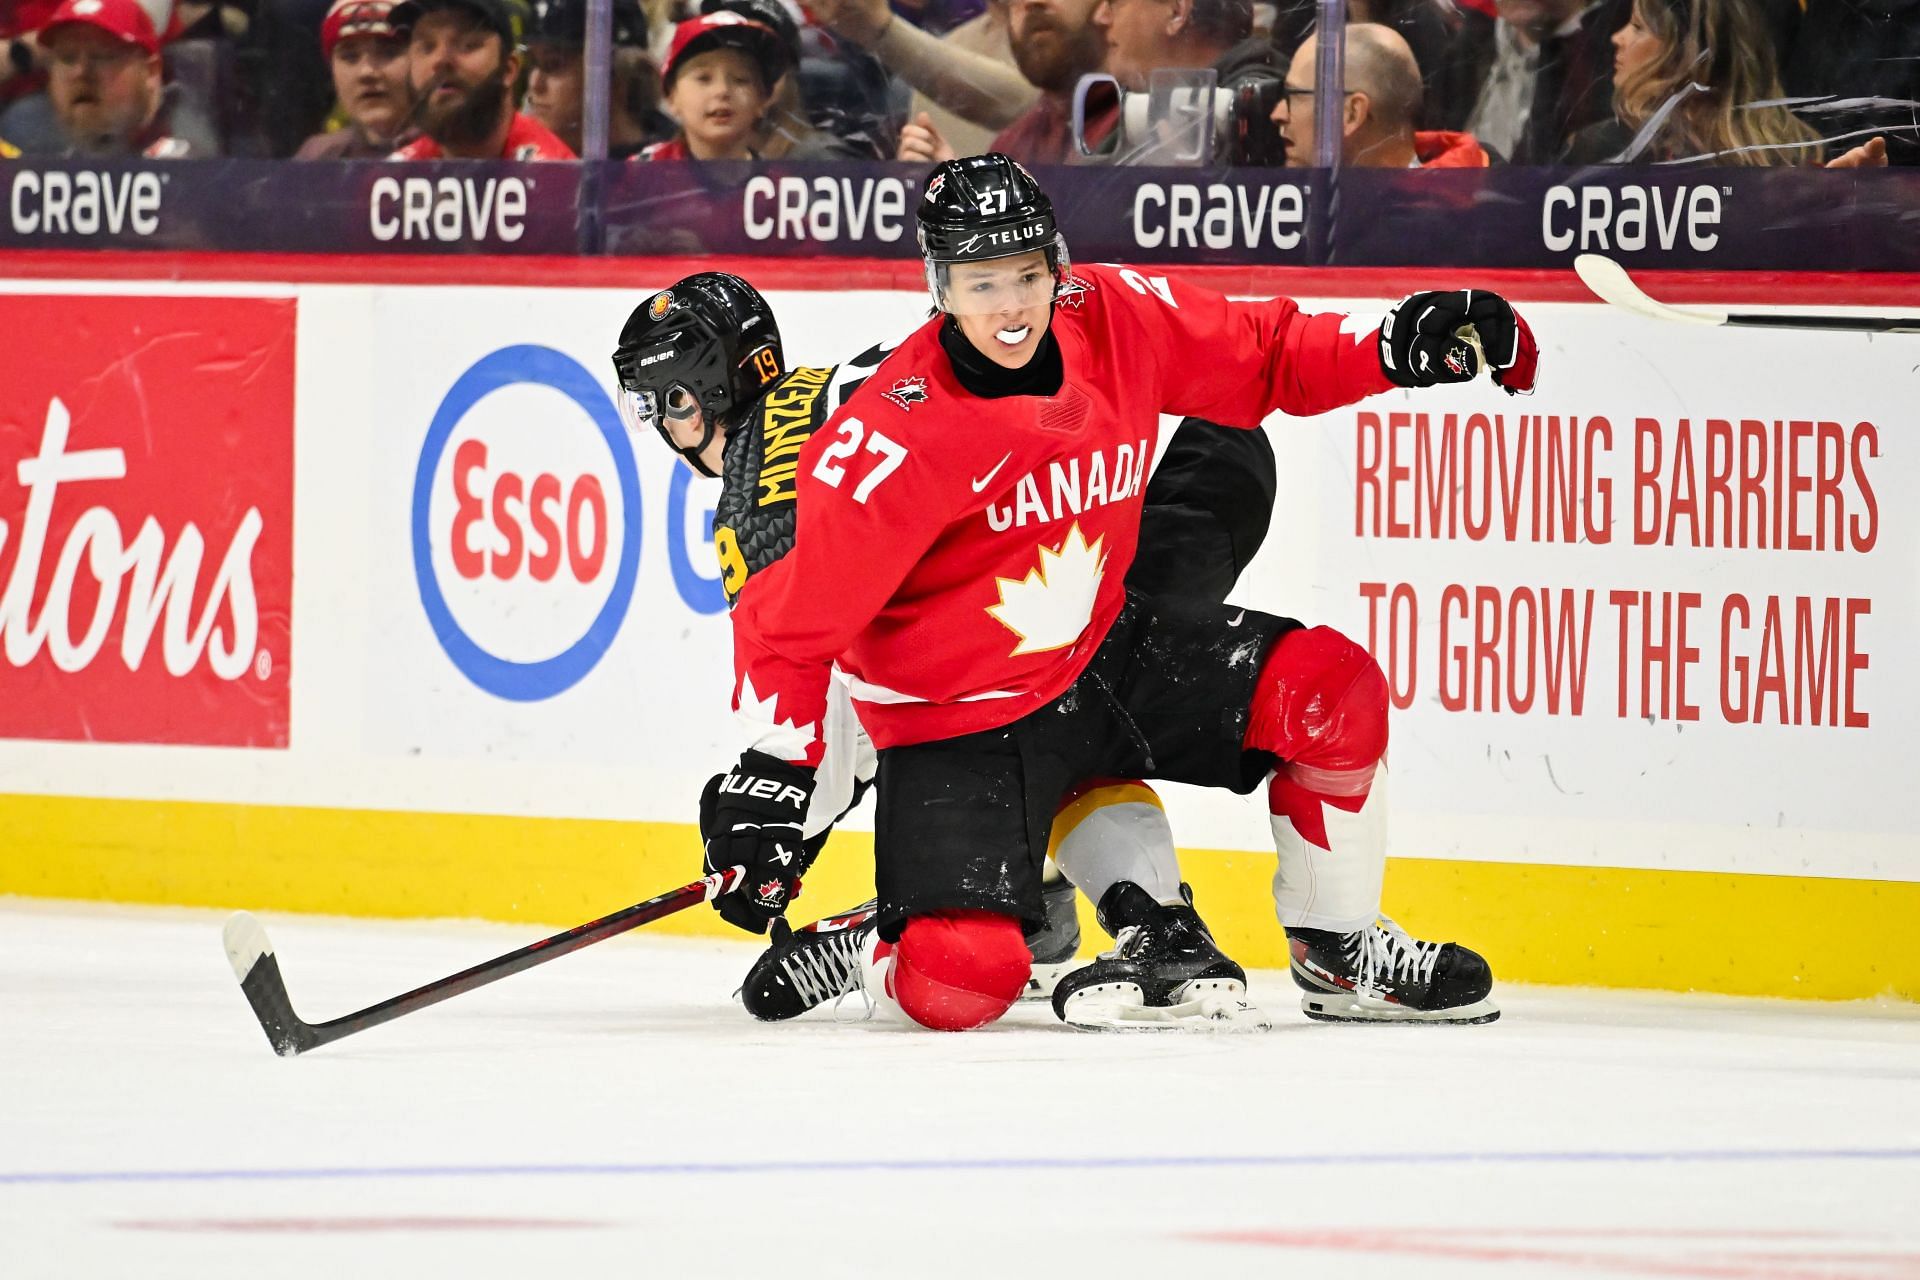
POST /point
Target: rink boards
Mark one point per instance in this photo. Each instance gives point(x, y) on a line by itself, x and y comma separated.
point(365, 603)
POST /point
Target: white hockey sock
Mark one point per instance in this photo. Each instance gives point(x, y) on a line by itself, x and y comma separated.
point(1117, 832)
point(874, 969)
point(1336, 888)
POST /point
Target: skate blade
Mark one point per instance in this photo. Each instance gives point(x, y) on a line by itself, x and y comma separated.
point(1045, 977)
point(1344, 1006)
point(1202, 1005)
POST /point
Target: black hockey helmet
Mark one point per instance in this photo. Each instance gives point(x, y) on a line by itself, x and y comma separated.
point(709, 342)
point(978, 208)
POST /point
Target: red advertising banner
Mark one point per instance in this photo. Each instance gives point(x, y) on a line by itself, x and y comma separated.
point(146, 519)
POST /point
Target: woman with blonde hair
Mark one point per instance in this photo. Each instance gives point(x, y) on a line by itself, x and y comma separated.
point(1689, 78)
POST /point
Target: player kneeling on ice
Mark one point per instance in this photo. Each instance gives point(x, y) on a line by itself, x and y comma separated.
point(702, 364)
point(953, 602)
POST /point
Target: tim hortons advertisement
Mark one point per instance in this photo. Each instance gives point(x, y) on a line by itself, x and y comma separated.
point(146, 495)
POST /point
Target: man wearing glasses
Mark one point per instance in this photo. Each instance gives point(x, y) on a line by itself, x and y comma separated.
point(104, 83)
point(1378, 112)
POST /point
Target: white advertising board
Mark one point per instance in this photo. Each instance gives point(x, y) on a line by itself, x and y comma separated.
point(1654, 615)
point(1600, 655)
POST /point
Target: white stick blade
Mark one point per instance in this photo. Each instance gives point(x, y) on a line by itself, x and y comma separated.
point(246, 942)
point(1611, 284)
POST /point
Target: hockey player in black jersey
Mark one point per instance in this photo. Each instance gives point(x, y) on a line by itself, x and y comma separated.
point(701, 364)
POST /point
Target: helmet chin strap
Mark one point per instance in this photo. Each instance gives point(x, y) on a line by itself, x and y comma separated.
point(691, 452)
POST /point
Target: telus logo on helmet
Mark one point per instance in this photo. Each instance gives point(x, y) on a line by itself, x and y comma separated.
point(997, 239)
point(152, 520)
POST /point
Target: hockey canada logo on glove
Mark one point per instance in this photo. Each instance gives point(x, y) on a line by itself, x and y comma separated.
point(753, 818)
point(1431, 338)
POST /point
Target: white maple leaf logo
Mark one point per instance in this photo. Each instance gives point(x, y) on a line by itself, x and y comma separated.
point(776, 737)
point(1051, 606)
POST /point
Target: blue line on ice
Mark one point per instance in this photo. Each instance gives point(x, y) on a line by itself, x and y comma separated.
point(988, 1164)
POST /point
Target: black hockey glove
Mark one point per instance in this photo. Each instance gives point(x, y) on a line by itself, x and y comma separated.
point(1432, 338)
point(752, 818)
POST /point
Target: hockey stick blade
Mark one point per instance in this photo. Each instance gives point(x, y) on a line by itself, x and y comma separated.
point(251, 954)
point(1611, 284)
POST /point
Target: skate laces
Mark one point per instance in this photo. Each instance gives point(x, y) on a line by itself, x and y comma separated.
point(1123, 943)
point(1388, 956)
point(867, 1005)
point(827, 967)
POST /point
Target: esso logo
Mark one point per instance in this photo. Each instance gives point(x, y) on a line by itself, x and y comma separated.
point(526, 523)
point(537, 525)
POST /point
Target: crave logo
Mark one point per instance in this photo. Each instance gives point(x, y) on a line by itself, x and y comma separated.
point(146, 519)
point(526, 523)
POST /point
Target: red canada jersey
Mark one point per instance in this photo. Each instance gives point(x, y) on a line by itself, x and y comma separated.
point(527, 139)
point(671, 149)
point(961, 558)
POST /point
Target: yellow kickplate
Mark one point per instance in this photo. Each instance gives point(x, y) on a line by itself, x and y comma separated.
point(1590, 926)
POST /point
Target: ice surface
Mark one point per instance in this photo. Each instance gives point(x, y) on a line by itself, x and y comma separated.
point(614, 1109)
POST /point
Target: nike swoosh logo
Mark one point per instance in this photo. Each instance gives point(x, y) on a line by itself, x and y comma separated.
point(1237, 618)
point(987, 479)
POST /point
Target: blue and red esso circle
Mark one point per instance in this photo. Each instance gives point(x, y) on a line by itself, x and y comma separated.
point(526, 523)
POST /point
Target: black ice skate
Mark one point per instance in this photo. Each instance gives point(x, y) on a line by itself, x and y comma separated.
point(1381, 974)
point(807, 967)
point(1056, 947)
point(1164, 970)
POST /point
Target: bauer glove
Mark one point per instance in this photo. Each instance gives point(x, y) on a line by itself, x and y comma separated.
point(751, 818)
point(1432, 338)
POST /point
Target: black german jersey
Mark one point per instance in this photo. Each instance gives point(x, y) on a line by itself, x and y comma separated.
point(753, 522)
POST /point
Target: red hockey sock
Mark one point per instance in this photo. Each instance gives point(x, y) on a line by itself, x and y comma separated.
point(957, 970)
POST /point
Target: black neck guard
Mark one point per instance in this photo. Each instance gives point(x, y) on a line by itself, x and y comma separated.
point(1043, 375)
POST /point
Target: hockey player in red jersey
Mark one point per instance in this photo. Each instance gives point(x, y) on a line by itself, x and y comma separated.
point(702, 365)
point(964, 523)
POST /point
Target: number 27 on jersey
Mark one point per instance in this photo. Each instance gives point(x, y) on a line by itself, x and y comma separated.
point(831, 469)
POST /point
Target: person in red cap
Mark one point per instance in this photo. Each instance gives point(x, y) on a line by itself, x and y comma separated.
point(367, 53)
point(463, 62)
point(103, 80)
point(719, 79)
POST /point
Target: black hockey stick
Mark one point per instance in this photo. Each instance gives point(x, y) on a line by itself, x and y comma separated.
point(1610, 281)
point(259, 970)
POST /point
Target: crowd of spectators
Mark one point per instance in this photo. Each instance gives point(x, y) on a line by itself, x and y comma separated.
point(1427, 83)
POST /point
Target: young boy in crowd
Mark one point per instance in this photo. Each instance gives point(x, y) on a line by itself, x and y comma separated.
point(718, 79)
